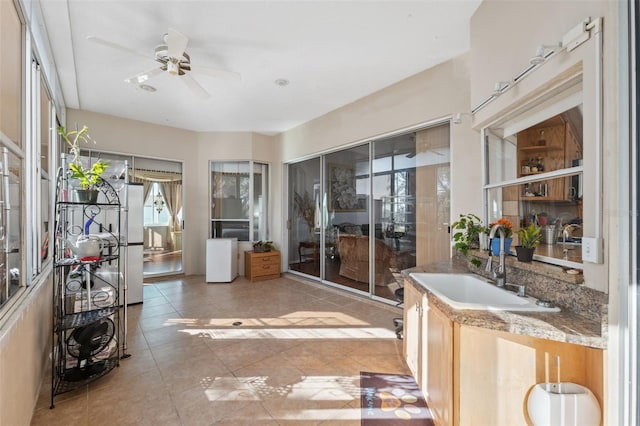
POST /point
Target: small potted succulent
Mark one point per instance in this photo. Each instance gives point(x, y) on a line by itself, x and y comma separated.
point(467, 232)
point(87, 177)
point(530, 237)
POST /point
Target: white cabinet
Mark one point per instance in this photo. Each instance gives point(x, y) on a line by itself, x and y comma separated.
point(222, 259)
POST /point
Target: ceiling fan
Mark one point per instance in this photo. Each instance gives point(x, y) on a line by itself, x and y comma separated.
point(174, 60)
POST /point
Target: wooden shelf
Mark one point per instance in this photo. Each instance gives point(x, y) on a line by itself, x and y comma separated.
point(540, 148)
point(534, 199)
point(530, 174)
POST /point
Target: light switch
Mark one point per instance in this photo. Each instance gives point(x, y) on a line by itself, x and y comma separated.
point(592, 250)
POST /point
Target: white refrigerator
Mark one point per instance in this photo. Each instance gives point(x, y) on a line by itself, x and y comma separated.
point(134, 243)
point(222, 260)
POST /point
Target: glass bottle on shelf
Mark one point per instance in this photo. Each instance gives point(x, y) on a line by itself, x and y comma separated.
point(539, 165)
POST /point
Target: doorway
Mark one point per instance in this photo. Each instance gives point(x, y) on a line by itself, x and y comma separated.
point(163, 214)
point(163, 210)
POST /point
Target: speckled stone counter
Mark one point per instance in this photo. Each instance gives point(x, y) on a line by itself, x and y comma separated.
point(569, 325)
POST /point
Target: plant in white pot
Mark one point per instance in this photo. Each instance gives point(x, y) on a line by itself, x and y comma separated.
point(87, 177)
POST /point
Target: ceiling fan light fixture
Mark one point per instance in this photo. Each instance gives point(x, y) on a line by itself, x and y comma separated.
point(172, 68)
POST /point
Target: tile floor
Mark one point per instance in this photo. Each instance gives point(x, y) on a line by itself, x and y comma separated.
point(295, 359)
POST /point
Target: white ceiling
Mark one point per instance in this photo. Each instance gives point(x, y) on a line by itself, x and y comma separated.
point(332, 52)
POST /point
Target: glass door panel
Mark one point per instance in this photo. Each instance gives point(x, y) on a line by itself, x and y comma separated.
point(304, 217)
point(432, 194)
point(394, 203)
point(411, 200)
point(346, 218)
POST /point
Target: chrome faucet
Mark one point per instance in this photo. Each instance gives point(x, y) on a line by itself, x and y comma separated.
point(501, 274)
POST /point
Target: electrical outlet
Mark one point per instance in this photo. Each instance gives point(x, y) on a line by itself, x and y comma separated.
point(592, 250)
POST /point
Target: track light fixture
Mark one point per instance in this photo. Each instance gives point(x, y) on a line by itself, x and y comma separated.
point(500, 87)
point(457, 119)
point(574, 38)
point(543, 52)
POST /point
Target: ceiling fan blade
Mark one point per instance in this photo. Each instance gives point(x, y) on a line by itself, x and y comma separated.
point(116, 46)
point(214, 72)
point(194, 86)
point(143, 76)
point(176, 43)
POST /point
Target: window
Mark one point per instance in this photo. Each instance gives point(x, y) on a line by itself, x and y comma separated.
point(44, 135)
point(12, 153)
point(155, 207)
point(534, 174)
point(239, 200)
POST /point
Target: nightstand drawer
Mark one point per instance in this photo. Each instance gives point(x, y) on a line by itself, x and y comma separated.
point(265, 269)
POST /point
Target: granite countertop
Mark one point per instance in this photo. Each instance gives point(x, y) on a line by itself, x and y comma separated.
point(564, 326)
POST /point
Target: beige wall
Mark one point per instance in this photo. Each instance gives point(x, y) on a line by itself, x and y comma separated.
point(25, 344)
point(195, 150)
point(504, 36)
point(430, 95)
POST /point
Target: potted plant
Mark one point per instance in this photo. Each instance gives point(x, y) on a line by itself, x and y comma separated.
point(263, 246)
point(530, 237)
point(507, 227)
point(466, 234)
point(87, 177)
point(306, 208)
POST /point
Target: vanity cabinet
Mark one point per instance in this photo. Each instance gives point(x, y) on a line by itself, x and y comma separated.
point(428, 334)
point(477, 376)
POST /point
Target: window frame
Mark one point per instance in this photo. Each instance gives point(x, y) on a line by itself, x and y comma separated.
point(565, 97)
point(257, 221)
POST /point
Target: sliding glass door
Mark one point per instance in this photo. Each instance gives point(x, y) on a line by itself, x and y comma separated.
point(305, 218)
point(346, 217)
point(359, 216)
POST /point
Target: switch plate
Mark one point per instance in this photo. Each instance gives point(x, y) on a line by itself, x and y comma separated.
point(592, 250)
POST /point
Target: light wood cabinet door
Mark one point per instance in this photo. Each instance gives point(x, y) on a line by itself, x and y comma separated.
point(439, 345)
point(496, 371)
point(412, 328)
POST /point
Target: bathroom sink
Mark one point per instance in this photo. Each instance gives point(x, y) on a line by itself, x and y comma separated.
point(468, 291)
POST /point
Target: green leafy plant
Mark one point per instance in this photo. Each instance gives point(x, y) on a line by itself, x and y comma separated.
point(263, 246)
point(530, 236)
point(466, 234)
point(87, 177)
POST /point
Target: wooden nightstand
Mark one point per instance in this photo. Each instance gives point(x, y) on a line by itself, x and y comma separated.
point(261, 266)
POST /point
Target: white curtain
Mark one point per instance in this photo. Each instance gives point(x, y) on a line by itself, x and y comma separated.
point(171, 189)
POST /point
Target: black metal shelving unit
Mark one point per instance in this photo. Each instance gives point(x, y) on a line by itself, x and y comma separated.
point(87, 331)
